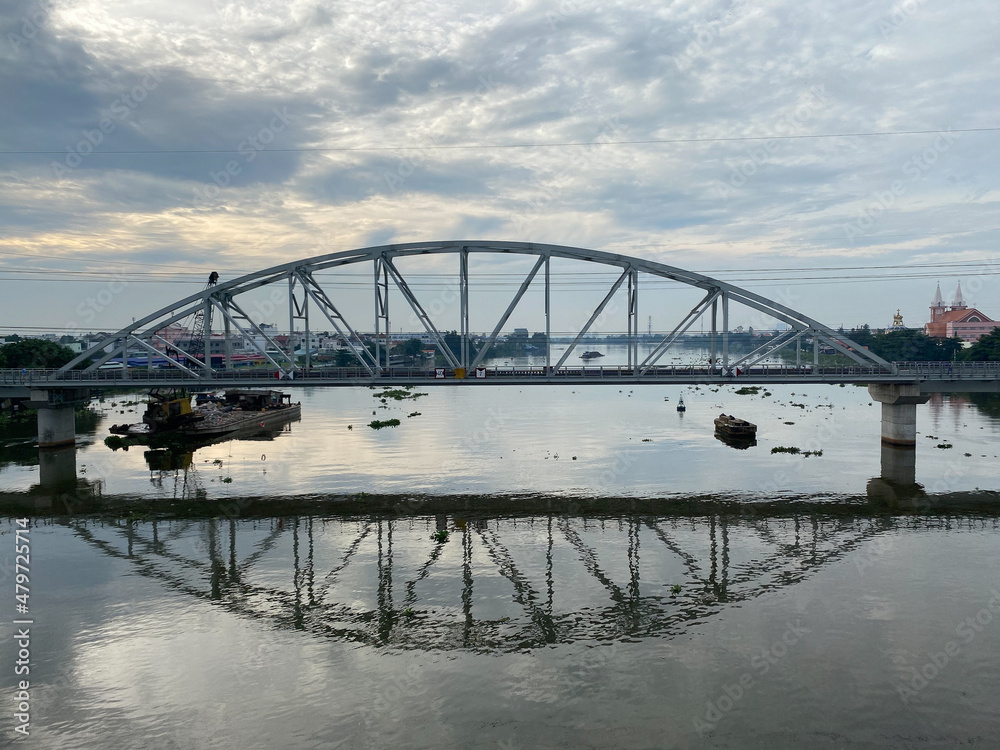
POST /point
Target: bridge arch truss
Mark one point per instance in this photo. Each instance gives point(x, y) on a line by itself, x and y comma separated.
point(308, 302)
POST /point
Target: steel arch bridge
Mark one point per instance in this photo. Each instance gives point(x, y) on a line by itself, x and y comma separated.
point(224, 303)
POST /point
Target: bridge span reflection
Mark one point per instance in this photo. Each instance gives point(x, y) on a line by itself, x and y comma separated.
point(492, 582)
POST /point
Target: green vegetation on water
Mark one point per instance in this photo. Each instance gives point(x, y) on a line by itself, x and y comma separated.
point(376, 424)
point(398, 394)
point(795, 451)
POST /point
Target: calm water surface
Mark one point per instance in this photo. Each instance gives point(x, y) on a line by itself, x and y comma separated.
point(543, 631)
point(567, 441)
point(789, 607)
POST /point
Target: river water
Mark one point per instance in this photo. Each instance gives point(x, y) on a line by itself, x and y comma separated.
point(516, 568)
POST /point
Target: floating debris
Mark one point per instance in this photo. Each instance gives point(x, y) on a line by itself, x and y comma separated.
point(376, 424)
point(397, 394)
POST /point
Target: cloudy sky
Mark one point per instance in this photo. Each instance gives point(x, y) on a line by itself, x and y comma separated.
point(146, 144)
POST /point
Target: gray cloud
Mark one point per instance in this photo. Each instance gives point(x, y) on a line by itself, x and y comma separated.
point(357, 75)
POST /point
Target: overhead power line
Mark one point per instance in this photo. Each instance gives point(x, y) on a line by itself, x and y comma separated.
point(488, 146)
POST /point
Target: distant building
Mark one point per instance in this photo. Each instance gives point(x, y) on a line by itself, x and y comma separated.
point(959, 321)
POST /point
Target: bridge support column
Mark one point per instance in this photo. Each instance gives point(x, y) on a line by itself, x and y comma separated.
point(899, 411)
point(56, 426)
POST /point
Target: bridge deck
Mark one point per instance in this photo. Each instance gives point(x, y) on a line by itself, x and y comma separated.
point(931, 376)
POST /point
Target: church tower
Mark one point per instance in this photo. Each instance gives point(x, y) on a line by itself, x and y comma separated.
point(937, 304)
point(958, 303)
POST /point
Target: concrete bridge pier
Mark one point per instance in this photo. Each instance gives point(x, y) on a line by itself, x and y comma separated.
point(899, 411)
point(56, 426)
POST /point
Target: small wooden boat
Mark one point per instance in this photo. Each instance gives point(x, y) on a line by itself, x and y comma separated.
point(591, 355)
point(734, 428)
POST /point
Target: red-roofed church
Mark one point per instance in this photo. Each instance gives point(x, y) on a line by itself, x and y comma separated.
point(958, 322)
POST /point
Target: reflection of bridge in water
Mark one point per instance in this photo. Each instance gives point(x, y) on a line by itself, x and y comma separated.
point(495, 583)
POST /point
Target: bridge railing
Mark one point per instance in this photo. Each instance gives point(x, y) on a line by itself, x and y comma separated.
point(41, 377)
point(139, 376)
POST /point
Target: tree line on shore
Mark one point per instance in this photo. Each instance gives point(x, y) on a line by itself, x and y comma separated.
point(914, 346)
point(894, 346)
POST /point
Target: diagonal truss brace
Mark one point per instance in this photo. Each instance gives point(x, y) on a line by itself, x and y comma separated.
point(597, 312)
point(168, 345)
point(696, 312)
point(257, 330)
point(116, 339)
point(420, 313)
point(153, 350)
point(510, 309)
point(841, 348)
point(119, 348)
point(320, 297)
point(870, 359)
point(786, 338)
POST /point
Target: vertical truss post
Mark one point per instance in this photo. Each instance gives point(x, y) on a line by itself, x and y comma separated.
point(815, 349)
point(305, 315)
point(633, 319)
point(408, 295)
point(463, 283)
point(725, 331)
point(208, 335)
point(291, 319)
point(548, 317)
point(227, 332)
point(381, 310)
point(715, 330)
point(338, 321)
point(798, 353)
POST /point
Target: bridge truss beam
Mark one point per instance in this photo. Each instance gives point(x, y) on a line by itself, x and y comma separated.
point(147, 335)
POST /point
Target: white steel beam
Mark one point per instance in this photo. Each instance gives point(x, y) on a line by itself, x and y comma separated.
point(404, 288)
point(686, 322)
point(153, 350)
point(597, 312)
point(326, 306)
point(510, 309)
